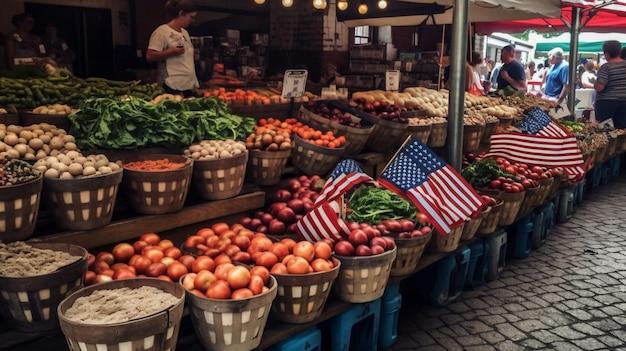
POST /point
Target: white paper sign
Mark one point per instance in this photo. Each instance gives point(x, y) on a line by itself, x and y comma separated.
point(42, 49)
point(392, 80)
point(560, 111)
point(294, 83)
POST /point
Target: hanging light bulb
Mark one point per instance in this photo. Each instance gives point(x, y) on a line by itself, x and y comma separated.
point(287, 3)
point(362, 9)
point(259, 2)
point(324, 4)
point(342, 5)
point(318, 4)
point(382, 4)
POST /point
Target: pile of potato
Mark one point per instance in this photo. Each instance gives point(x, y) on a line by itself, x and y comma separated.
point(74, 165)
point(215, 149)
point(400, 99)
point(3, 111)
point(160, 98)
point(56, 109)
point(34, 142)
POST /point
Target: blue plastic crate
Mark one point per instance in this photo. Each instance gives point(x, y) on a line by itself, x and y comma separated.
point(549, 217)
point(605, 172)
point(594, 177)
point(496, 254)
point(450, 275)
point(566, 205)
point(308, 340)
point(521, 236)
point(389, 314)
point(579, 193)
point(392, 290)
point(539, 234)
point(357, 328)
point(477, 269)
point(616, 165)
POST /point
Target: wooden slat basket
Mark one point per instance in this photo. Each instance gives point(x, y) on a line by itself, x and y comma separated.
point(312, 159)
point(30, 303)
point(471, 226)
point(301, 297)
point(82, 203)
point(231, 325)
point(158, 332)
point(19, 205)
point(422, 133)
point(438, 135)
point(446, 243)
point(511, 207)
point(356, 138)
point(471, 137)
point(533, 195)
point(60, 121)
point(266, 167)
point(220, 179)
point(364, 278)
point(490, 128)
point(490, 222)
point(387, 136)
point(410, 252)
point(158, 192)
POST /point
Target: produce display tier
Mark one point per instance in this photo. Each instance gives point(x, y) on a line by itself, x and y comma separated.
point(126, 229)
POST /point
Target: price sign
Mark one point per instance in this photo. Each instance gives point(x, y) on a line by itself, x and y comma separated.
point(392, 80)
point(294, 83)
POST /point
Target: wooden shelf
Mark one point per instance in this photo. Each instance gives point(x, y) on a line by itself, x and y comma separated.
point(126, 229)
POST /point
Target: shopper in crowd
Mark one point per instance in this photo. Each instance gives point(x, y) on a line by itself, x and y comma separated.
point(57, 48)
point(611, 86)
point(474, 82)
point(171, 47)
point(530, 70)
point(22, 43)
point(588, 78)
point(557, 77)
point(539, 73)
point(511, 73)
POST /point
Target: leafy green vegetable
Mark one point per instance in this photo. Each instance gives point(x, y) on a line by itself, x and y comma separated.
point(374, 205)
point(133, 122)
point(481, 172)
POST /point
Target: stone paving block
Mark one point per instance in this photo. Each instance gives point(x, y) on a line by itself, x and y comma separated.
point(533, 344)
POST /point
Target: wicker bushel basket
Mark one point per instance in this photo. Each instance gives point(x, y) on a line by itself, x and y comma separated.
point(314, 120)
point(60, 121)
point(11, 118)
point(158, 332)
point(471, 226)
point(19, 205)
point(612, 146)
point(448, 243)
point(266, 167)
point(422, 133)
point(491, 219)
point(231, 325)
point(471, 137)
point(356, 138)
point(158, 192)
point(438, 135)
point(220, 179)
point(505, 122)
point(545, 186)
point(511, 207)
point(30, 303)
point(312, 159)
point(364, 278)
point(82, 203)
point(601, 154)
point(301, 297)
point(490, 128)
point(533, 195)
point(387, 136)
point(409, 254)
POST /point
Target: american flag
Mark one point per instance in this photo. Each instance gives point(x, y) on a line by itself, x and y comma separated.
point(541, 143)
point(322, 221)
point(433, 186)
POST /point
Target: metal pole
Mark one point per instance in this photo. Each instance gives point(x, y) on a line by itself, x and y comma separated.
point(573, 58)
point(456, 98)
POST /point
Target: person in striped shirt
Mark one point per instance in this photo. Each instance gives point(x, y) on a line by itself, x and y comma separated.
point(611, 86)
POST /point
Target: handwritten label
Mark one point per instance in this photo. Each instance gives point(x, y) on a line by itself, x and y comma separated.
point(42, 49)
point(294, 83)
point(392, 80)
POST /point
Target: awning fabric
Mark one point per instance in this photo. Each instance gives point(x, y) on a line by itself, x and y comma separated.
point(602, 21)
point(594, 47)
point(479, 11)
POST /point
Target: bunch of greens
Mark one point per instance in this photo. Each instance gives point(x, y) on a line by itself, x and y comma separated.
point(481, 172)
point(374, 205)
point(130, 123)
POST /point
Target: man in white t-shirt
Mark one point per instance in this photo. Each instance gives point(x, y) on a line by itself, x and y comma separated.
point(171, 46)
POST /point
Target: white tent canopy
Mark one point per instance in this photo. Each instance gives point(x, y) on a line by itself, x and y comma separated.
point(479, 11)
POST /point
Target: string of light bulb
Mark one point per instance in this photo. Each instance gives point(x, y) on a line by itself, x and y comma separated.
point(342, 5)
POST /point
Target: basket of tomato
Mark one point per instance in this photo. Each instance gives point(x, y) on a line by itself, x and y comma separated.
point(491, 215)
point(441, 243)
point(410, 238)
point(229, 305)
point(366, 260)
point(316, 152)
point(471, 226)
point(305, 273)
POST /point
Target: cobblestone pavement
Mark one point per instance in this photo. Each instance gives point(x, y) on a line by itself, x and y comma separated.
point(568, 295)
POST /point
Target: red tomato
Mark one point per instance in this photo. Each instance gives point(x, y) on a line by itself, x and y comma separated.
point(187, 260)
point(305, 250)
point(194, 240)
point(156, 269)
point(165, 278)
point(205, 233)
point(219, 228)
point(219, 289)
point(124, 274)
point(322, 250)
point(223, 258)
point(266, 259)
point(238, 277)
point(221, 271)
point(289, 242)
point(106, 257)
point(165, 244)
point(279, 268)
point(240, 294)
point(203, 263)
point(139, 245)
point(90, 278)
point(141, 264)
point(280, 250)
point(256, 284)
point(298, 265)
point(321, 265)
point(203, 280)
point(187, 281)
point(101, 278)
point(173, 252)
point(150, 238)
point(242, 257)
point(155, 255)
point(242, 242)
